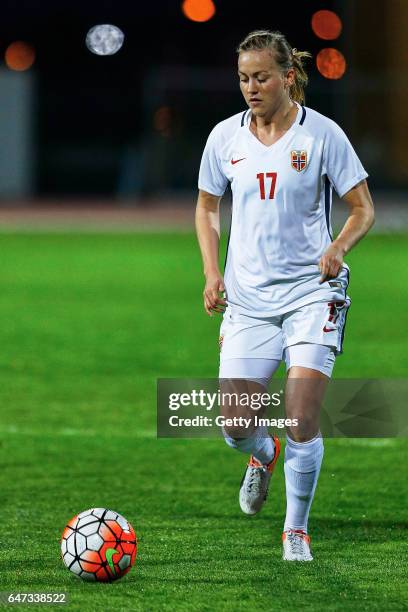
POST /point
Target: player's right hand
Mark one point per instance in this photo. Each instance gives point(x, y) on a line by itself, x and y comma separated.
point(213, 302)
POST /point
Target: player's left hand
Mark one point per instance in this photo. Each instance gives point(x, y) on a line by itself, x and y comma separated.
point(331, 262)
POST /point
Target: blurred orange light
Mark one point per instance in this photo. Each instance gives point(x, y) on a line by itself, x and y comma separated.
point(19, 56)
point(162, 121)
point(326, 25)
point(198, 10)
point(331, 63)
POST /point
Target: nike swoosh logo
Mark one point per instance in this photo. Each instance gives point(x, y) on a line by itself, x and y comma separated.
point(235, 161)
point(327, 330)
point(109, 554)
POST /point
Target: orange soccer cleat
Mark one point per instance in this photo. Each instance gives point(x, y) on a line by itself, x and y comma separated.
point(255, 482)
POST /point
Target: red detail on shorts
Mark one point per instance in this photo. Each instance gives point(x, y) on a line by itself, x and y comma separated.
point(333, 313)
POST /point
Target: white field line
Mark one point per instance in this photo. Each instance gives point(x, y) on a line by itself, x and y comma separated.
point(366, 442)
point(72, 432)
point(151, 433)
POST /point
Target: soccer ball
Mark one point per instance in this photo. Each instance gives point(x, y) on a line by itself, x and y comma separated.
point(104, 39)
point(99, 545)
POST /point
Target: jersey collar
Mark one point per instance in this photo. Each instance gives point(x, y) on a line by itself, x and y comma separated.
point(300, 117)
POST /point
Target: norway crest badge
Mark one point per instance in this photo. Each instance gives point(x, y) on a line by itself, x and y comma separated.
point(298, 160)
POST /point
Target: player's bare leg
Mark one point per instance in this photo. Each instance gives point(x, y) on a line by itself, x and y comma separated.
point(303, 457)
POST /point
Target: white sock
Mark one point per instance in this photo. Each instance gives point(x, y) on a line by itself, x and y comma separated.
point(302, 468)
point(259, 444)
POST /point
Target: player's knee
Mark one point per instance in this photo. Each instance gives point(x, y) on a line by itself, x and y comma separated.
point(304, 430)
point(307, 425)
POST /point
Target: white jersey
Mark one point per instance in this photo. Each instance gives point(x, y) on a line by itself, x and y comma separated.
point(281, 205)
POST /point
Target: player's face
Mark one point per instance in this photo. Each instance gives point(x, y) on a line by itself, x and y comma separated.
point(262, 82)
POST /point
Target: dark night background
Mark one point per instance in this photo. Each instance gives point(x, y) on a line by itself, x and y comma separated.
point(95, 128)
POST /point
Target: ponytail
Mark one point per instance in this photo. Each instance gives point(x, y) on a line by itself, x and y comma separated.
point(297, 90)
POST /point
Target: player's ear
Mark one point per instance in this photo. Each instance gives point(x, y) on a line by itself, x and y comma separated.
point(290, 77)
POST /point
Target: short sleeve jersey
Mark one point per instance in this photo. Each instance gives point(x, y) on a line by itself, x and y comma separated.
point(281, 208)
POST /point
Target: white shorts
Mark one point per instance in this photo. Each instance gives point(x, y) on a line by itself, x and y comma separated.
point(319, 323)
point(314, 356)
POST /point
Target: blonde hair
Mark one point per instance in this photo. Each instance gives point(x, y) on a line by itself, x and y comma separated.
point(284, 55)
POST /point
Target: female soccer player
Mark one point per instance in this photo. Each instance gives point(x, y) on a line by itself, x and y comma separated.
point(285, 281)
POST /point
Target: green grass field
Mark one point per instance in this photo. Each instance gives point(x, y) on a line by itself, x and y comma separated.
point(88, 322)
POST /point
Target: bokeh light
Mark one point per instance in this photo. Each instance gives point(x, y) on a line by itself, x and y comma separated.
point(331, 63)
point(162, 121)
point(198, 10)
point(19, 56)
point(326, 25)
